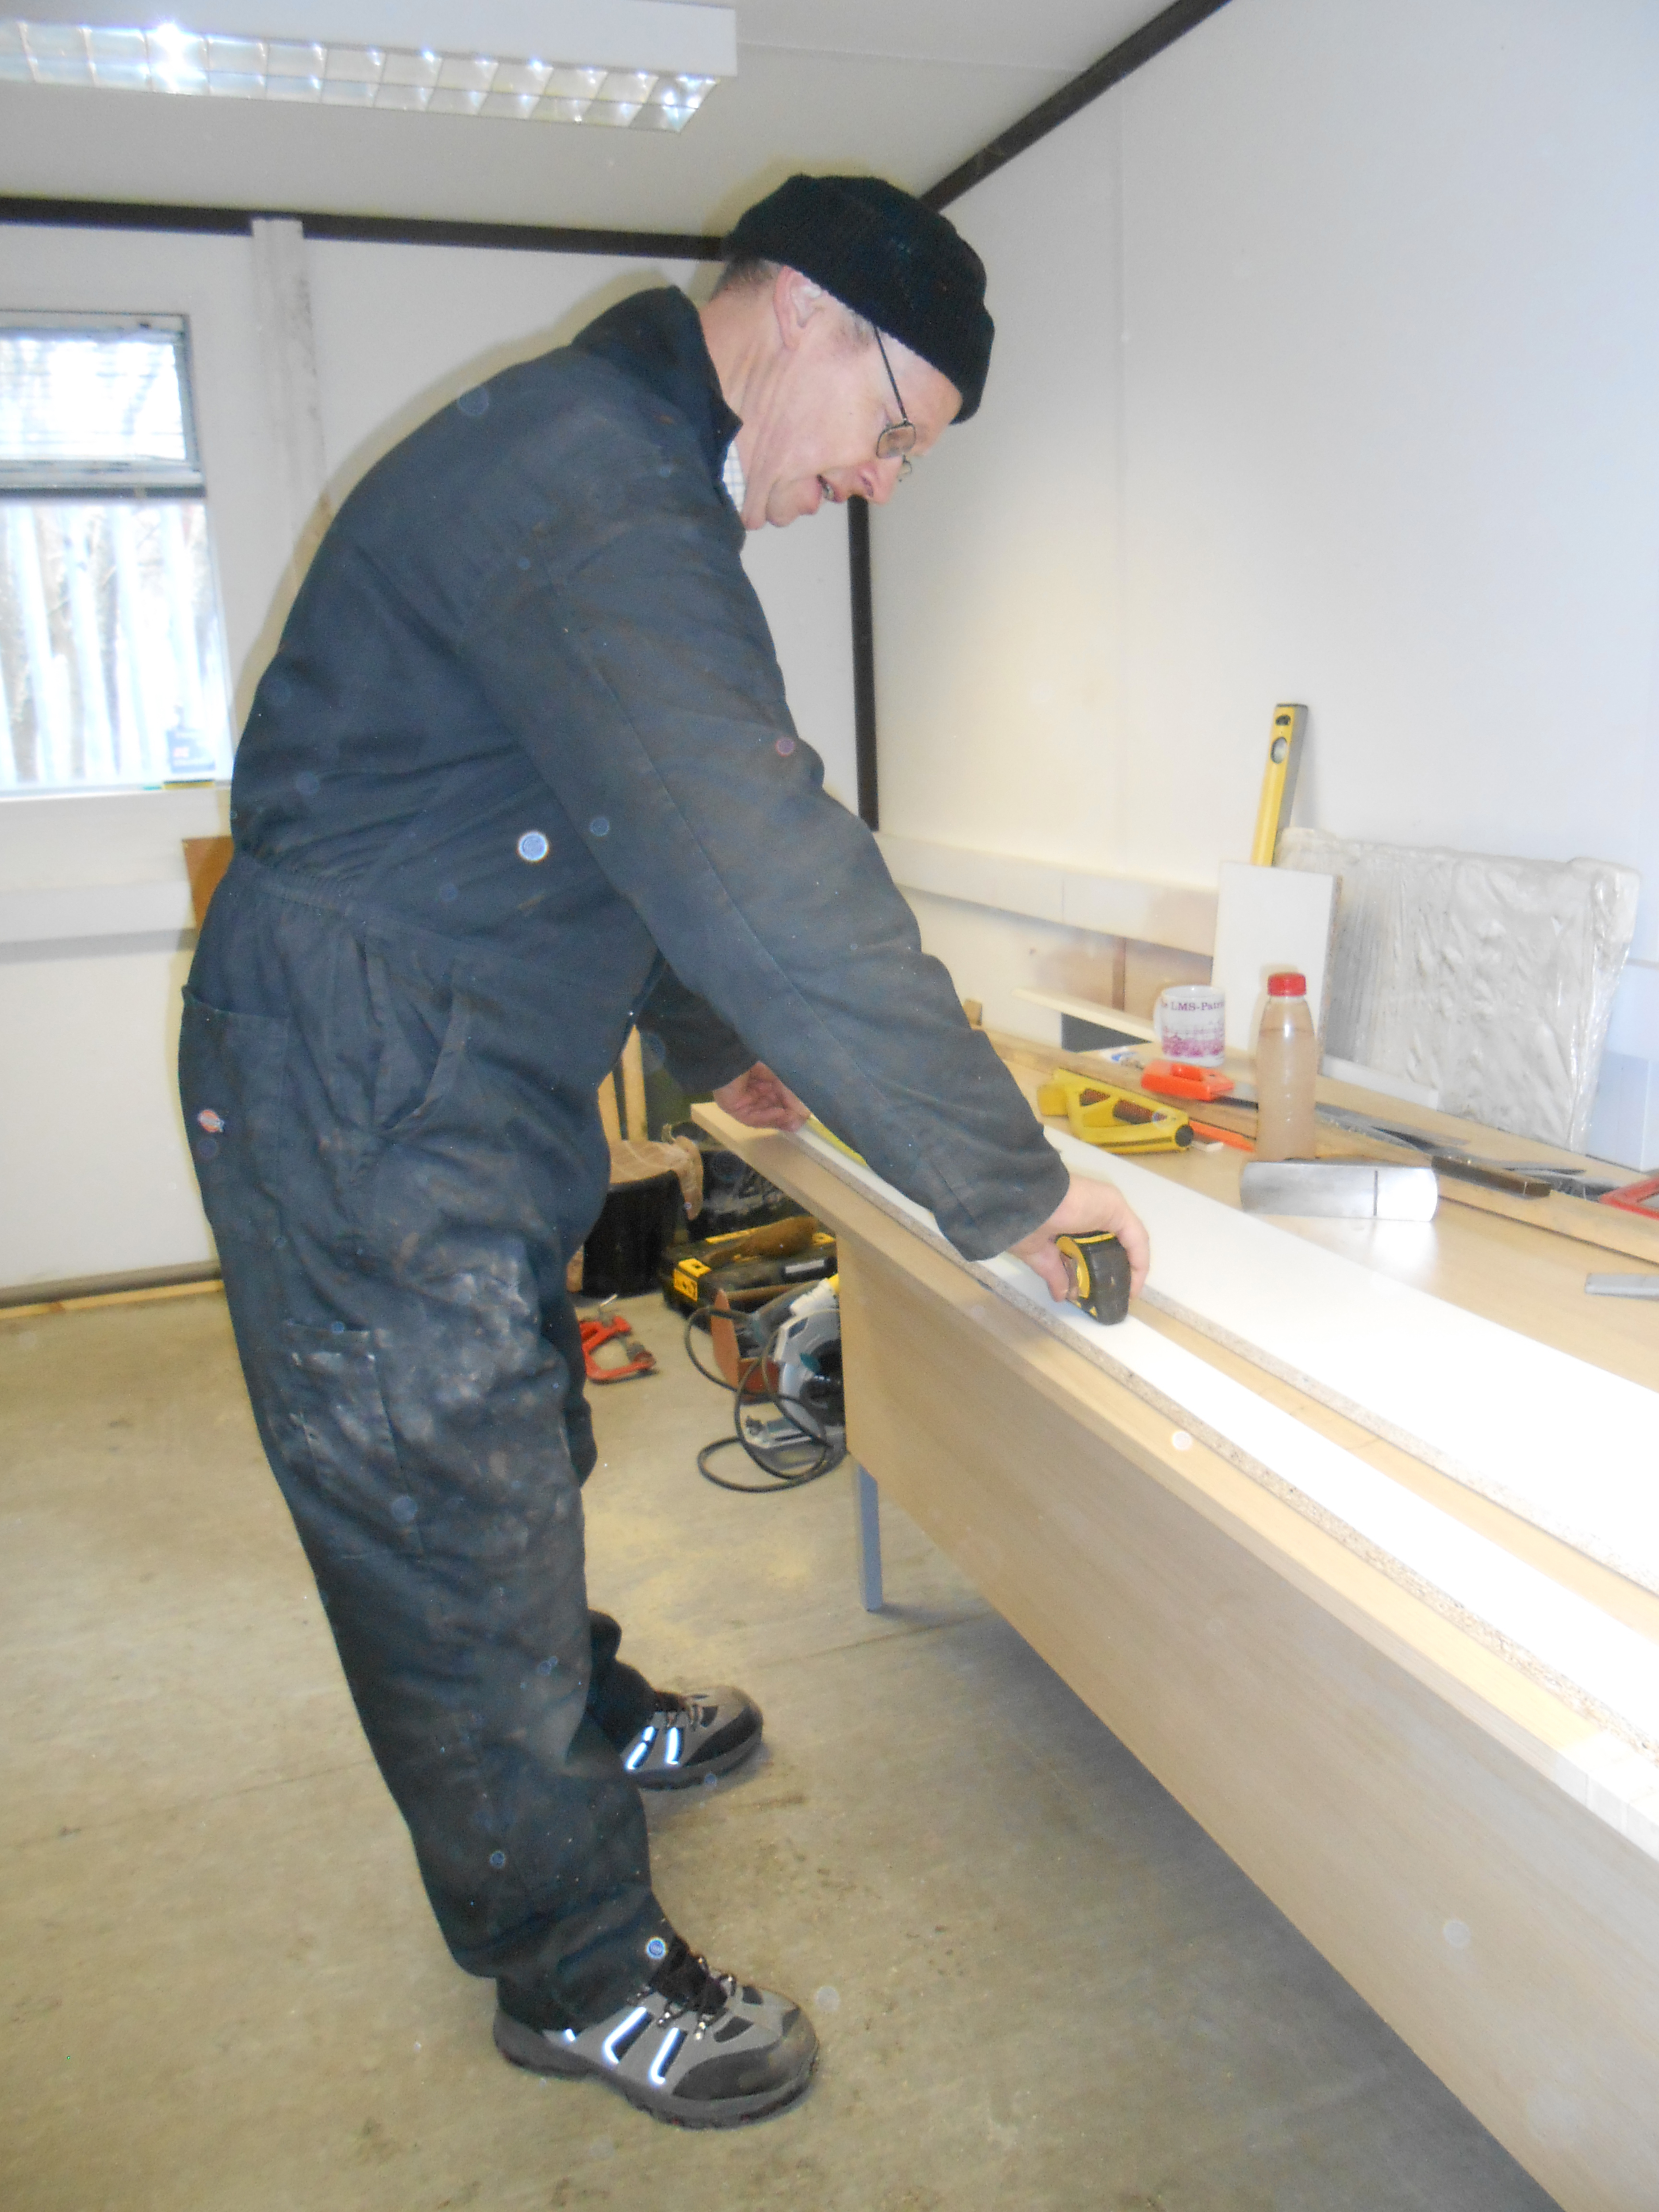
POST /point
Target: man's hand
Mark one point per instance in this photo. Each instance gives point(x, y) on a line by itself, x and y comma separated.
point(1087, 1205)
point(760, 1101)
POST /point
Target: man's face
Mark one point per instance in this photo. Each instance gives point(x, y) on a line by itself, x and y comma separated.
point(813, 436)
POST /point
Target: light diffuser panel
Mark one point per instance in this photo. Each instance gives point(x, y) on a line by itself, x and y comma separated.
point(231, 64)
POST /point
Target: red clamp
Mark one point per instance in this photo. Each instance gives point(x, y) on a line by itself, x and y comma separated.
point(1641, 1197)
point(598, 1333)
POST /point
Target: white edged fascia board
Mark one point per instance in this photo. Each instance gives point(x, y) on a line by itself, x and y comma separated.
point(1179, 915)
point(59, 916)
point(670, 36)
point(1144, 908)
point(995, 879)
point(1091, 1010)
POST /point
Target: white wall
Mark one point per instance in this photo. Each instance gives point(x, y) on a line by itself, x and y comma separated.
point(1327, 370)
point(94, 1178)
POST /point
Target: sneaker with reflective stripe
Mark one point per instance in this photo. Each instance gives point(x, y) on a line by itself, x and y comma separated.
point(692, 1734)
point(692, 2046)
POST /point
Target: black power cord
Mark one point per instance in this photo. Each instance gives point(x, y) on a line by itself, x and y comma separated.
point(825, 1452)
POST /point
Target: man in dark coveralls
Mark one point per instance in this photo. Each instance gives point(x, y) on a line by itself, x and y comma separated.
point(521, 774)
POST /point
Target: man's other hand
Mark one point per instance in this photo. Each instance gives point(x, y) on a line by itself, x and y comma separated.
point(1087, 1205)
point(760, 1101)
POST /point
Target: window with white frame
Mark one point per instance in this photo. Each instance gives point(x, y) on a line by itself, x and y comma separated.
point(112, 663)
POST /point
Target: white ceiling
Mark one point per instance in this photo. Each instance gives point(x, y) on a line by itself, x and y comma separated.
point(905, 88)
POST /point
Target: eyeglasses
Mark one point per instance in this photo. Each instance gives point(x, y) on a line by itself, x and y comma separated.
point(896, 440)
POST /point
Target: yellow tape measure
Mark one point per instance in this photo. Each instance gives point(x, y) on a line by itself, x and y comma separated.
point(1099, 1268)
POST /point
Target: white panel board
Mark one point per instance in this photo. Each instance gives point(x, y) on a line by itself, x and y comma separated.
point(1269, 918)
point(1487, 978)
point(1566, 1445)
point(1598, 1663)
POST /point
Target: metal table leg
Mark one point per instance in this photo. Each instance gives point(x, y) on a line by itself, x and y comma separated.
point(867, 1506)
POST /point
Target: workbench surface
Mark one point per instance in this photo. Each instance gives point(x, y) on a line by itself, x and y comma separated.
point(1521, 1262)
point(1419, 1804)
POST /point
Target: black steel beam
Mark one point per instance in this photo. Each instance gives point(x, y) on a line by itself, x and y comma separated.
point(1111, 69)
point(125, 214)
point(1131, 54)
point(864, 661)
point(516, 237)
point(362, 229)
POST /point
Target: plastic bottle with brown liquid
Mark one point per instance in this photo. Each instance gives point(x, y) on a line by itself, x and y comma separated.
point(1286, 1063)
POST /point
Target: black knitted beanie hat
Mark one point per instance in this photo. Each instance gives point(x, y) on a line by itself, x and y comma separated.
point(891, 259)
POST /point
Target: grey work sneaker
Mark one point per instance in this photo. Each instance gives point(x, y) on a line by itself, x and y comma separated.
point(694, 2047)
point(692, 1734)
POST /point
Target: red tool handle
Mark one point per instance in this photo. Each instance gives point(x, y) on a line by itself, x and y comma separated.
point(1212, 1135)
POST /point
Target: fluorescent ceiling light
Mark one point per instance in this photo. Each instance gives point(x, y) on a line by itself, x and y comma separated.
point(644, 64)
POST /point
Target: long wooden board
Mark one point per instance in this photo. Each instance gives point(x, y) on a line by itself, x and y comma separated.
point(1509, 1936)
point(1426, 1810)
point(1563, 1444)
point(1600, 1664)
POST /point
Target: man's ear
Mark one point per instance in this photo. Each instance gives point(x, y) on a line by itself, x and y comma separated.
point(795, 301)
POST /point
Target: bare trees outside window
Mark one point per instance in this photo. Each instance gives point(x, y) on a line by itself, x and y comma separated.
point(111, 666)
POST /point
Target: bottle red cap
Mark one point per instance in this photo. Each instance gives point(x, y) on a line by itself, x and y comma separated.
point(1286, 984)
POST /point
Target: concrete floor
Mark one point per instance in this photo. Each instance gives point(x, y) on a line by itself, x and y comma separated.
point(1038, 1983)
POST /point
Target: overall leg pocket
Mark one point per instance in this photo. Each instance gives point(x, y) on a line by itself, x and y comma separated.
point(339, 1444)
point(233, 1073)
